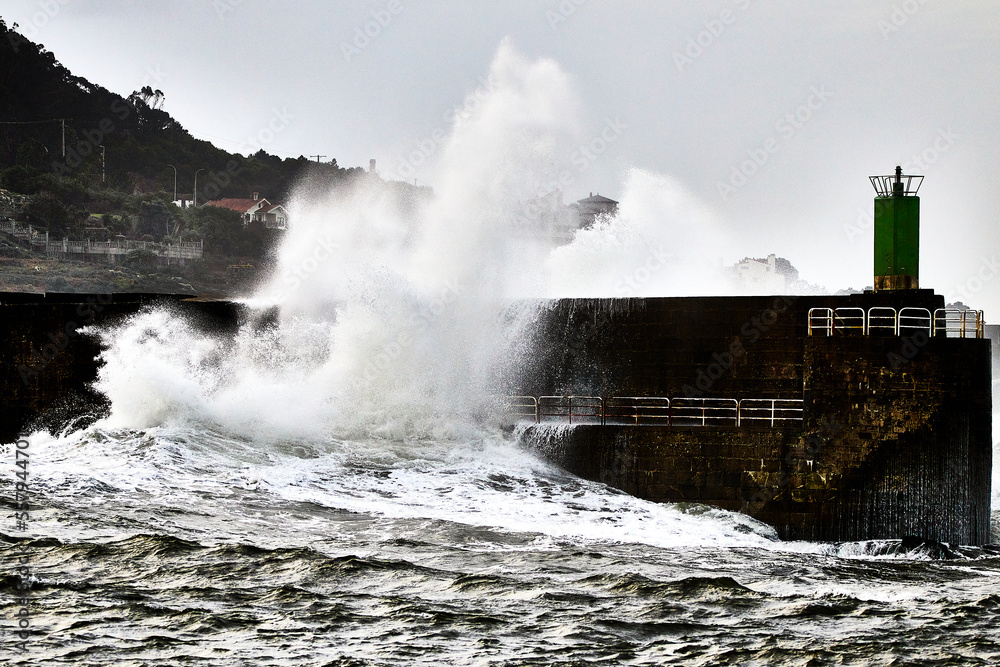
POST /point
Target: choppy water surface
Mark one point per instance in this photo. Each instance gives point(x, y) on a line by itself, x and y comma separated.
point(183, 545)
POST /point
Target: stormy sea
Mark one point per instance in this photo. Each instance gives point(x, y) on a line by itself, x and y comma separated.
point(186, 544)
point(330, 485)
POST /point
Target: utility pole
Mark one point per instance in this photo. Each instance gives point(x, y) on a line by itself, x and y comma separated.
point(63, 121)
point(175, 180)
point(103, 179)
point(196, 187)
point(317, 157)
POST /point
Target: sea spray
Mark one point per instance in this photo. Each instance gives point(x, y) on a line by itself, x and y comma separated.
point(394, 305)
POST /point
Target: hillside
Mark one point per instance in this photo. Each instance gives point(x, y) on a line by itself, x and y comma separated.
point(140, 140)
point(78, 161)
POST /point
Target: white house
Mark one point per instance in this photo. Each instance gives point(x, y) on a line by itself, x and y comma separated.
point(258, 209)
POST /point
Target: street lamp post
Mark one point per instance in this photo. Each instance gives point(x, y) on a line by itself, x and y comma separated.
point(175, 180)
point(196, 187)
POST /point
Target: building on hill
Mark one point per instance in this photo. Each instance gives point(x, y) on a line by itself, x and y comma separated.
point(761, 275)
point(546, 217)
point(595, 206)
point(257, 209)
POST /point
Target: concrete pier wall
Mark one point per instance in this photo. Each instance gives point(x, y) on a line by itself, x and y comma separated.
point(895, 438)
point(48, 363)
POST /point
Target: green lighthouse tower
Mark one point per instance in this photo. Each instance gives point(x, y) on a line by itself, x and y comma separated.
point(897, 231)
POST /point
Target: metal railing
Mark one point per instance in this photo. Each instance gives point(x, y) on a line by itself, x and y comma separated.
point(770, 410)
point(913, 320)
point(849, 321)
point(636, 410)
point(883, 318)
point(956, 323)
point(521, 407)
point(183, 250)
point(705, 411)
point(654, 410)
point(821, 319)
point(945, 322)
point(24, 232)
point(584, 409)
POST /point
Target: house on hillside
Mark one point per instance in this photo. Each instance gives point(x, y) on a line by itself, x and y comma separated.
point(595, 206)
point(546, 217)
point(257, 209)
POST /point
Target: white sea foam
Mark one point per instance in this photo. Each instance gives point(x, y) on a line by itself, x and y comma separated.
point(395, 324)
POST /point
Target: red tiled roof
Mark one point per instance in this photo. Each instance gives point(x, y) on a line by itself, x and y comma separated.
point(272, 207)
point(241, 205)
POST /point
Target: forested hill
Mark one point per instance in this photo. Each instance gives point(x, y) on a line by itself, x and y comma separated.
point(136, 138)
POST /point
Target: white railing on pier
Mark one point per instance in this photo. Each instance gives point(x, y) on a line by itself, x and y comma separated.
point(705, 412)
point(654, 410)
point(521, 407)
point(571, 409)
point(636, 410)
point(908, 321)
point(912, 320)
point(849, 321)
point(956, 323)
point(24, 232)
point(770, 410)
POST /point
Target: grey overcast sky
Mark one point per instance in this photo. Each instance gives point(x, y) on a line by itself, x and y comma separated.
point(771, 114)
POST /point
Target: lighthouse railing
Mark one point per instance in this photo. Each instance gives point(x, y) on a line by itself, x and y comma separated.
point(958, 323)
point(821, 320)
point(883, 318)
point(912, 320)
point(849, 322)
point(908, 321)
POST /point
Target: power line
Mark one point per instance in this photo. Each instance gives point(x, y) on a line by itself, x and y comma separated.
point(32, 122)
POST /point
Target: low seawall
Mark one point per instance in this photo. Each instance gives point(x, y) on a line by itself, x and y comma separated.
point(48, 363)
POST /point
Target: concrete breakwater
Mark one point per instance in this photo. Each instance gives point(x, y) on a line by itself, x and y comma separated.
point(895, 431)
point(891, 434)
point(48, 364)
